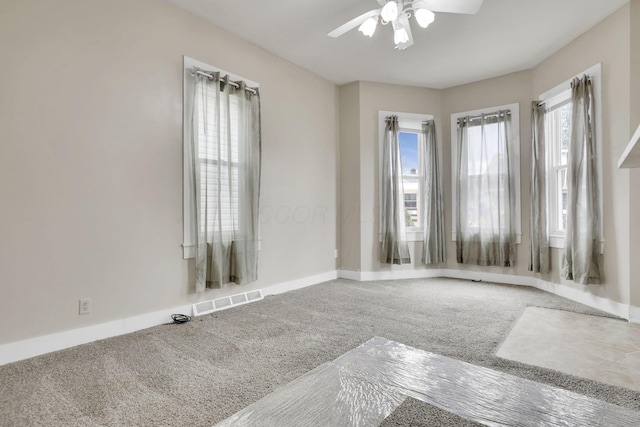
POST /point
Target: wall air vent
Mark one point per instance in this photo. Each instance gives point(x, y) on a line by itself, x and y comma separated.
point(206, 307)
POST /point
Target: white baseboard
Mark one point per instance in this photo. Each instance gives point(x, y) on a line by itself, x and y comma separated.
point(20, 350)
point(299, 283)
point(634, 314)
point(350, 275)
point(25, 349)
point(617, 309)
point(586, 298)
point(399, 274)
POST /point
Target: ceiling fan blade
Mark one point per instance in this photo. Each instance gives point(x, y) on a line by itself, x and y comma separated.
point(469, 7)
point(353, 23)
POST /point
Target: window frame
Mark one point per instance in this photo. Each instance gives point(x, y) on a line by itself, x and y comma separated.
point(552, 98)
point(551, 171)
point(515, 160)
point(409, 123)
point(188, 245)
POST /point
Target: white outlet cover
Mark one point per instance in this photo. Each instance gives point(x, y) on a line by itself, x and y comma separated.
point(84, 306)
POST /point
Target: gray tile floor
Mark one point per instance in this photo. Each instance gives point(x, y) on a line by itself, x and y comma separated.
point(597, 348)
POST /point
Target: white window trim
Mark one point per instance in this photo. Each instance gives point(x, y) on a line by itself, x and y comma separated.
point(556, 240)
point(515, 131)
point(406, 122)
point(188, 245)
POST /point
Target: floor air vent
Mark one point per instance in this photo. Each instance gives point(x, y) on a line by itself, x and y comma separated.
point(210, 306)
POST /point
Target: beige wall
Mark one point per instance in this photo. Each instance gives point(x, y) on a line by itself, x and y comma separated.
point(608, 43)
point(349, 258)
point(91, 161)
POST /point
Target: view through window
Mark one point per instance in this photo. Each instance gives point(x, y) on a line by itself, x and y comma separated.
point(558, 132)
point(410, 158)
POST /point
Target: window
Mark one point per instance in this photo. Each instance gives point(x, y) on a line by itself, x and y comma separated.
point(411, 177)
point(486, 174)
point(557, 133)
point(222, 166)
point(557, 123)
point(215, 166)
point(411, 154)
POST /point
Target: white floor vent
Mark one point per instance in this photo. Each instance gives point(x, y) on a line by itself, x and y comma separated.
point(206, 307)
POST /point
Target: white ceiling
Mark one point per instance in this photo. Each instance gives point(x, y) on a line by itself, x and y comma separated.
point(505, 36)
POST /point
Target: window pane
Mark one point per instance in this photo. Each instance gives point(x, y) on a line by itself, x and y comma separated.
point(565, 121)
point(558, 134)
point(563, 194)
point(218, 153)
point(409, 152)
point(411, 186)
point(484, 158)
point(409, 158)
point(220, 187)
point(487, 177)
point(210, 128)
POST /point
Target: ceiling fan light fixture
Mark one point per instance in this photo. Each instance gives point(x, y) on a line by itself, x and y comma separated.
point(368, 27)
point(400, 36)
point(398, 13)
point(424, 17)
point(390, 11)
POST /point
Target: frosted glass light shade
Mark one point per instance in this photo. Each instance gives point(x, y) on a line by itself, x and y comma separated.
point(389, 11)
point(400, 36)
point(368, 27)
point(424, 17)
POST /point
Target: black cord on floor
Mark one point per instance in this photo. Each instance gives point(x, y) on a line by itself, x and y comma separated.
point(180, 318)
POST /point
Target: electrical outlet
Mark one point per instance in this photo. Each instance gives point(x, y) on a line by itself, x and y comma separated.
point(84, 306)
point(335, 253)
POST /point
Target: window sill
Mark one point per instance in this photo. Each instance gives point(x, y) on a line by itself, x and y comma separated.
point(189, 251)
point(518, 237)
point(557, 242)
point(415, 235)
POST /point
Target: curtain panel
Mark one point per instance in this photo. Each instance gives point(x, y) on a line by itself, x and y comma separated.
point(395, 249)
point(226, 161)
point(433, 250)
point(581, 258)
point(485, 191)
point(539, 239)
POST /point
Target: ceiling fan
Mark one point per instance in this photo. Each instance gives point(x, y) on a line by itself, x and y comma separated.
point(398, 12)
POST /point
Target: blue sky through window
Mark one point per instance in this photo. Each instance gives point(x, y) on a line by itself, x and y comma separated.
point(408, 151)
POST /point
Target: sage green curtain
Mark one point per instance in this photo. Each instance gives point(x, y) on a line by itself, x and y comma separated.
point(226, 159)
point(539, 239)
point(433, 249)
point(581, 259)
point(395, 249)
point(485, 191)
